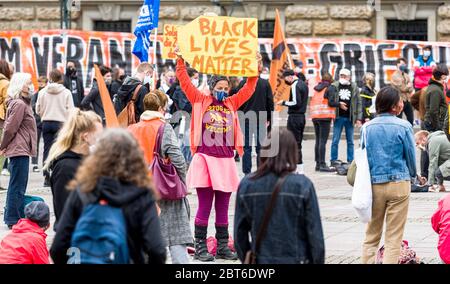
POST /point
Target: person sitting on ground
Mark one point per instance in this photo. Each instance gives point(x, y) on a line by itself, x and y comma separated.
point(438, 148)
point(26, 244)
point(440, 221)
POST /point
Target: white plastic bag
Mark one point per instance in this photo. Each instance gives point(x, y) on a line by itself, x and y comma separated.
point(362, 189)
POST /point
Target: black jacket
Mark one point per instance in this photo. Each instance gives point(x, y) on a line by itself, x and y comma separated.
point(366, 94)
point(332, 94)
point(125, 93)
point(301, 90)
point(78, 97)
point(435, 107)
point(261, 100)
point(93, 101)
point(294, 234)
point(33, 107)
point(145, 242)
point(62, 171)
point(115, 86)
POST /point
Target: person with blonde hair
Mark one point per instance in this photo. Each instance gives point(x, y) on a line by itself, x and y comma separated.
point(53, 106)
point(367, 94)
point(115, 173)
point(18, 143)
point(5, 76)
point(78, 134)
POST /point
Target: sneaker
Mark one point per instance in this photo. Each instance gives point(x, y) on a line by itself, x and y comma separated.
point(317, 167)
point(327, 169)
point(336, 163)
point(36, 169)
point(5, 172)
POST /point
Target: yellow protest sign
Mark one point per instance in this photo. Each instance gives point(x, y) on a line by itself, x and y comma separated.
point(169, 41)
point(221, 45)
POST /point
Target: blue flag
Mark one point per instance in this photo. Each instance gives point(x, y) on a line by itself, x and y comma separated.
point(148, 20)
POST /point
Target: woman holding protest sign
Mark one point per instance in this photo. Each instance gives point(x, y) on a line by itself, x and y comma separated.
point(215, 134)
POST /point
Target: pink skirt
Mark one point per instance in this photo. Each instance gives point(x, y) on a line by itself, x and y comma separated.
point(218, 173)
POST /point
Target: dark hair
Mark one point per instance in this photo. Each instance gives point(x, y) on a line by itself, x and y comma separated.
point(56, 76)
point(301, 76)
point(115, 73)
point(285, 161)
point(104, 69)
point(439, 71)
point(288, 72)
point(43, 79)
point(387, 98)
point(4, 69)
point(429, 47)
point(327, 77)
point(191, 71)
point(400, 59)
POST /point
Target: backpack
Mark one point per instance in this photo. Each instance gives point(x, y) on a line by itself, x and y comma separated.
point(407, 255)
point(100, 234)
point(128, 115)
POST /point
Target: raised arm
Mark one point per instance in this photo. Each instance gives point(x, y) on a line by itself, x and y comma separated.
point(245, 93)
point(191, 92)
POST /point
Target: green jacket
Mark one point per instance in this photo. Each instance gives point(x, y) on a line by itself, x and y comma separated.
point(435, 107)
point(438, 151)
point(356, 111)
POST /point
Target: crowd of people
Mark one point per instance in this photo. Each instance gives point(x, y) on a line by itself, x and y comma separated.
point(104, 181)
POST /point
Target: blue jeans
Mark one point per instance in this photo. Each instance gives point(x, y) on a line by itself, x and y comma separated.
point(340, 123)
point(18, 168)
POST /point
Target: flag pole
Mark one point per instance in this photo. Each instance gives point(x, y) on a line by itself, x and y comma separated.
point(155, 61)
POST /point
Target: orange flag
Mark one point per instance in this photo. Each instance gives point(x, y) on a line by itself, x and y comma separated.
point(110, 113)
point(281, 60)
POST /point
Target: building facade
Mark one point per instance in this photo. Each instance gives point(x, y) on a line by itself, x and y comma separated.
point(381, 19)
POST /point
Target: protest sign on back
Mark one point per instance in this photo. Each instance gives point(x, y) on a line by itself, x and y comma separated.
point(169, 41)
point(221, 45)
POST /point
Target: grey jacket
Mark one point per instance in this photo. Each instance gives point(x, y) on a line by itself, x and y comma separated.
point(439, 153)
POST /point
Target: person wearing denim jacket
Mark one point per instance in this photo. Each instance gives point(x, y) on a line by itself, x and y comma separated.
point(294, 233)
point(390, 147)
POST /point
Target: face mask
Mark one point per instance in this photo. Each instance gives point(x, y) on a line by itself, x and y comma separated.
point(195, 82)
point(108, 81)
point(171, 81)
point(122, 77)
point(264, 76)
point(288, 83)
point(71, 71)
point(344, 82)
point(30, 89)
point(403, 68)
point(426, 53)
point(220, 95)
point(148, 80)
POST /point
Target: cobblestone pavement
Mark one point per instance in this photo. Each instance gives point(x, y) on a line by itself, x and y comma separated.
point(343, 231)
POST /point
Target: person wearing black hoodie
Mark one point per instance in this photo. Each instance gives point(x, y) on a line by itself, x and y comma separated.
point(297, 104)
point(71, 145)
point(118, 77)
point(261, 105)
point(142, 76)
point(322, 115)
point(74, 83)
point(121, 180)
point(93, 100)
